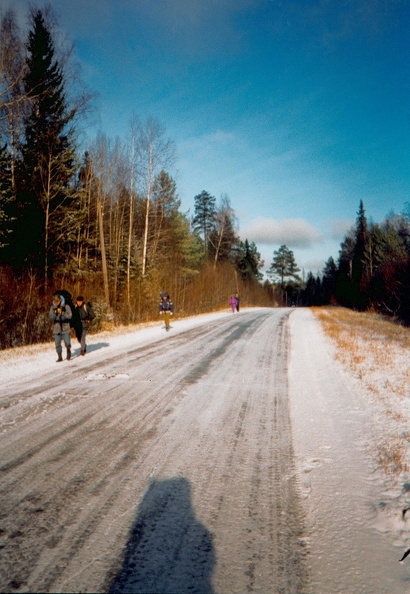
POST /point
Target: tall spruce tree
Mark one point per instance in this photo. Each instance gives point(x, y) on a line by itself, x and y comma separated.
point(361, 260)
point(204, 217)
point(249, 261)
point(329, 281)
point(164, 214)
point(47, 153)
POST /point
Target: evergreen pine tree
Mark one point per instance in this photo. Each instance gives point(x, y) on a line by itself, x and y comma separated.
point(329, 281)
point(309, 293)
point(164, 217)
point(204, 217)
point(283, 265)
point(249, 261)
point(48, 152)
point(360, 261)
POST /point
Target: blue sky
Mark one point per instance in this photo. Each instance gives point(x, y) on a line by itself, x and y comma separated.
point(296, 109)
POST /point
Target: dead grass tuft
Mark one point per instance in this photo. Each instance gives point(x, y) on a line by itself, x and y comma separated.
point(392, 456)
point(377, 352)
point(370, 346)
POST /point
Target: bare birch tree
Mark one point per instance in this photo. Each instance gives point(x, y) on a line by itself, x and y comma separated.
point(12, 97)
point(154, 152)
point(131, 206)
point(102, 170)
point(222, 238)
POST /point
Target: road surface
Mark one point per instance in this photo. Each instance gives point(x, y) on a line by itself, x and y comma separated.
point(165, 467)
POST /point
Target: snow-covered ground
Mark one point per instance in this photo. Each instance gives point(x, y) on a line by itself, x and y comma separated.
point(206, 410)
point(33, 361)
point(356, 529)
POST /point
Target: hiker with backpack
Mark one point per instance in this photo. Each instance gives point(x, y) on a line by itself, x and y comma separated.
point(166, 308)
point(60, 314)
point(84, 312)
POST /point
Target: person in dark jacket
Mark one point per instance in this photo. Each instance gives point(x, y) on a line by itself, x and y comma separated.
point(84, 312)
point(60, 314)
point(166, 308)
point(237, 300)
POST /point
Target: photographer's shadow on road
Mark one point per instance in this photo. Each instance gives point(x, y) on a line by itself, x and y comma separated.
point(168, 551)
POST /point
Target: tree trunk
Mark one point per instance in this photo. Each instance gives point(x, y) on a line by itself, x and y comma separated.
point(103, 255)
point(147, 208)
point(130, 222)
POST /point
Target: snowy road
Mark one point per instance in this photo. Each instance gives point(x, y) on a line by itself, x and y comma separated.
point(203, 460)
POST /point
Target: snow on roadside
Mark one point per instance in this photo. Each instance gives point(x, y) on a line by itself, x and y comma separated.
point(353, 491)
point(356, 531)
point(377, 353)
point(23, 363)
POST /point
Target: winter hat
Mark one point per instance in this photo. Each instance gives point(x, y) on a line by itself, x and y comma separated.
point(80, 298)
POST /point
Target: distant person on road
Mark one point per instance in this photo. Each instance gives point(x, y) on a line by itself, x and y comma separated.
point(166, 308)
point(233, 303)
point(237, 300)
point(84, 312)
point(60, 314)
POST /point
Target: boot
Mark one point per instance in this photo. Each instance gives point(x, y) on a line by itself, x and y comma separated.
point(82, 352)
point(60, 357)
point(68, 354)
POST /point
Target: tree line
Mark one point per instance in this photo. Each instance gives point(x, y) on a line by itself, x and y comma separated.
point(373, 269)
point(106, 220)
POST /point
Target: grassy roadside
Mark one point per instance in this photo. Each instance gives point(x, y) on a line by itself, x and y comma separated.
point(377, 352)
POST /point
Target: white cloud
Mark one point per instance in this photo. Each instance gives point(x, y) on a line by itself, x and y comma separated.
point(207, 145)
point(340, 228)
point(314, 266)
point(291, 232)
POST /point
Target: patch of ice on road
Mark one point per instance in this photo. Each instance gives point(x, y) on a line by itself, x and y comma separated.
point(106, 376)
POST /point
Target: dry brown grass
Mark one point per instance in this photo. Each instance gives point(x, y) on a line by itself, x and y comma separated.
point(392, 455)
point(371, 346)
point(377, 351)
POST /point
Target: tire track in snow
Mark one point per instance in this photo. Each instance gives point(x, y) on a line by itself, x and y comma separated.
point(206, 411)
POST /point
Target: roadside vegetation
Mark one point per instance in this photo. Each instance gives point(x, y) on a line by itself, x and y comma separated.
point(104, 219)
point(376, 350)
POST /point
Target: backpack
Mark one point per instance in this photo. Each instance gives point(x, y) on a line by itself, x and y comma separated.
point(89, 307)
point(75, 321)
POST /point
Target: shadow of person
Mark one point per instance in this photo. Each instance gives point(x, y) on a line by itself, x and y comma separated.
point(168, 551)
point(97, 345)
